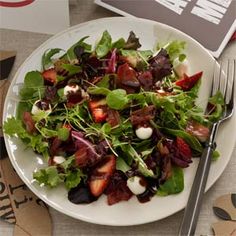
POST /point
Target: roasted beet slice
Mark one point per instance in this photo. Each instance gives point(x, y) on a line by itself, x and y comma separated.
point(146, 80)
point(29, 122)
point(143, 115)
point(81, 194)
point(54, 148)
point(117, 189)
point(127, 78)
point(113, 117)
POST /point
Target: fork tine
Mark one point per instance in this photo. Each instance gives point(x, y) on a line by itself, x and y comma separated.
point(224, 78)
point(216, 78)
point(229, 97)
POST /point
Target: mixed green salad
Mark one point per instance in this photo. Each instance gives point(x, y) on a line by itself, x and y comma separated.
point(113, 119)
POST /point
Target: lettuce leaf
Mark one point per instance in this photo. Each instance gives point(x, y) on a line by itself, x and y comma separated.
point(173, 185)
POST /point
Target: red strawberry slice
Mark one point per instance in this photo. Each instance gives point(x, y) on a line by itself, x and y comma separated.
point(183, 148)
point(101, 175)
point(188, 81)
point(98, 110)
point(50, 75)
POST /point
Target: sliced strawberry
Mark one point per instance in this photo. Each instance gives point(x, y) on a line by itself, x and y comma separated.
point(183, 148)
point(29, 122)
point(50, 75)
point(188, 82)
point(198, 130)
point(98, 110)
point(101, 175)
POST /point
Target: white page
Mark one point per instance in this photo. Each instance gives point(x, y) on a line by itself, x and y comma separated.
point(42, 16)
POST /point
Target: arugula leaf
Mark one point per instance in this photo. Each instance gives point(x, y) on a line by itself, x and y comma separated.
point(98, 91)
point(117, 99)
point(71, 51)
point(72, 69)
point(104, 45)
point(122, 165)
point(47, 57)
point(33, 85)
point(142, 167)
point(173, 185)
point(49, 176)
point(218, 102)
point(104, 82)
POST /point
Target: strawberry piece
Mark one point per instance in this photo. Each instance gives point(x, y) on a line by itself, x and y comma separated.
point(50, 75)
point(188, 81)
point(183, 148)
point(101, 175)
point(98, 110)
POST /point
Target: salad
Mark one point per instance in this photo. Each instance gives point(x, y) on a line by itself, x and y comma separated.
point(113, 119)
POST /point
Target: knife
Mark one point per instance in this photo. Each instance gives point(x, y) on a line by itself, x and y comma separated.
point(7, 59)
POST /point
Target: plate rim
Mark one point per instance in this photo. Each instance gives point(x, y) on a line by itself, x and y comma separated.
point(6, 138)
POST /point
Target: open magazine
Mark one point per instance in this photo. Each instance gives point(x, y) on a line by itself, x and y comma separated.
point(210, 22)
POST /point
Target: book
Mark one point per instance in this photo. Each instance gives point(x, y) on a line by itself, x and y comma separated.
point(211, 22)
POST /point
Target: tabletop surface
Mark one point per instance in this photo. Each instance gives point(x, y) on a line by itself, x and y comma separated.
point(24, 43)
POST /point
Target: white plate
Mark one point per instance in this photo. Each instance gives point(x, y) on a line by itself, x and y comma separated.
point(131, 212)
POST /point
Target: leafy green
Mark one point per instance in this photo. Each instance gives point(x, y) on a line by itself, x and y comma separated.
point(22, 107)
point(104, 45)
point(73, 178)
point(47, 57)
point(63, 134)
point(175, 48)
point(218, 103)
point(191, 140)
point(117, 99)
point(120, 43)
point(49, 176)
point(122, 165)
point(33, 87)
point(215, 155)
point(142, 167)
point(173, 185)
point(104, 82)
point(71, 69)
point(14, 127)
point(70, 52)
point(98, 91)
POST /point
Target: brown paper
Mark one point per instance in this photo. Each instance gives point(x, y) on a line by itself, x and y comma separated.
point(224, 228)
point(18, 205)
point(225, 207)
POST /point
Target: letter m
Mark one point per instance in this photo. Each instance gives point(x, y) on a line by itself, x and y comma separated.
point(209, 11)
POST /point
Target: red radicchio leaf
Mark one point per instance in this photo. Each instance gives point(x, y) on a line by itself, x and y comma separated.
point(111, 68)
point(160, 65)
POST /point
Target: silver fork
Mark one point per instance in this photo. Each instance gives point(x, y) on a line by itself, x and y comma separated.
point(223, 80)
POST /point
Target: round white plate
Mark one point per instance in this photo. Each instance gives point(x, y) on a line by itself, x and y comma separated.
point(131, 212)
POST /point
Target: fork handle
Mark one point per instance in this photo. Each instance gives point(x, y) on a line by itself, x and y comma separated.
point(193, 207)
